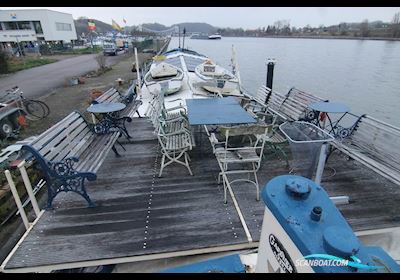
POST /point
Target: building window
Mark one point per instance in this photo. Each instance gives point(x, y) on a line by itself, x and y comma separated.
point(63, 26)
point(38, 27)
point(24, 25)
point(1, 26)
point(10, 25)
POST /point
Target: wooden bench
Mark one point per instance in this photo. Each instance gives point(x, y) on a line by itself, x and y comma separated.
point(70, 152)
point(293, 105)
point(375, 144)
point(129, 99)
point(290, 106)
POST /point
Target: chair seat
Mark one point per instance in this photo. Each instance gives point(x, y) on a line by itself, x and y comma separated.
point(174, 126)
point(175, 115)
point(177, 142)
point(243, 155)
point(276, 138)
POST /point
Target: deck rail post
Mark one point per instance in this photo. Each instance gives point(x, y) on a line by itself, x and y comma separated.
point(28, 187)
point(17, 198)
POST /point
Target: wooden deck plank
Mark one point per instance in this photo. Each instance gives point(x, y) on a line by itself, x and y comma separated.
point(186, 212)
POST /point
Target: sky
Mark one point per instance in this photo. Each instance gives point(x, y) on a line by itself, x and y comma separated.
point(235, 17)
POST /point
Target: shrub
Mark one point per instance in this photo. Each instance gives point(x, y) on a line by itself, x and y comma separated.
point(3, 62)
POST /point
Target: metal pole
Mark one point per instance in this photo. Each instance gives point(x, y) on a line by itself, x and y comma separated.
point(270, 77)
point(321, 164)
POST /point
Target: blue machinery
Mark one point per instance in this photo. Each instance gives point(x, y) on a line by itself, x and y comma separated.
point(302, 231)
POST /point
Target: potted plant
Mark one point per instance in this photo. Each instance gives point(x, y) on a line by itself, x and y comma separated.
point(95, 93)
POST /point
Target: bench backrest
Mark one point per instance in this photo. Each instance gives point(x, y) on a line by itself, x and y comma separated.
point(261, 94)
point(292, 105)
point(111, 95)
point(69, 137)
point(378, 140)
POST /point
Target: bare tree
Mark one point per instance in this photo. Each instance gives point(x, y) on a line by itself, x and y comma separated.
point(395, 26)
point(101, 60)
point(364, 28)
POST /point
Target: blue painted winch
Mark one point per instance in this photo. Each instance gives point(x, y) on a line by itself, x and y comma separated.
point(303, 231)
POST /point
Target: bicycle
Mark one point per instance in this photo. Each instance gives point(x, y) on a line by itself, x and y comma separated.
point(34, 109)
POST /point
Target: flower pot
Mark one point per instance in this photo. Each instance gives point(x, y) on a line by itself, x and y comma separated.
point(95, 94)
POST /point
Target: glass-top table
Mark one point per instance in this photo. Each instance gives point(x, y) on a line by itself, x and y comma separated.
point(321, 112)
point(110, 119)
point(104, 108)
point(329, 107)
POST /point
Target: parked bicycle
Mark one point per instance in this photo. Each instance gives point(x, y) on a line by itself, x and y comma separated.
point(15, 108)
point(35, 109)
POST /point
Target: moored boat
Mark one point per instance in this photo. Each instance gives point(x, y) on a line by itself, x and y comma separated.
point(215, 37)
point(201, 78)
point(164, 77)
point(217, 79)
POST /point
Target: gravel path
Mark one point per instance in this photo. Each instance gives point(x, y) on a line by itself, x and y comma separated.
point(42, 80)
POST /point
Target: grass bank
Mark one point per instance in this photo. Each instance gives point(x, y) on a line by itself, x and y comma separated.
point(88, 50)
point(18, 64)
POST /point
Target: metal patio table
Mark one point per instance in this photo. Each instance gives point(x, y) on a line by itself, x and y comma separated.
point(328, 108)
point(106, 108)
point(217, 111)
point(109, 121)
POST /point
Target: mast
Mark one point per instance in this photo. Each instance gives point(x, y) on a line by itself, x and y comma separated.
point(179, 36)
point(183, 43)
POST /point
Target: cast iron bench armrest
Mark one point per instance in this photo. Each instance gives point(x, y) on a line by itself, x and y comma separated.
point(62, 176)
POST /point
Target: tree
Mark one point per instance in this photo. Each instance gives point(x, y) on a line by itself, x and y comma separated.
point(395, 26)
point(364, 28)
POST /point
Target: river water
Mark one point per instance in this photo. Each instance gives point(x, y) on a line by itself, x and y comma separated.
point(363, 74)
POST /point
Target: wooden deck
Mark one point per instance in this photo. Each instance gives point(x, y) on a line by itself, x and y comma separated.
point(140, 216)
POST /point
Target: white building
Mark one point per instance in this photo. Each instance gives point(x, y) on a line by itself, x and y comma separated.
point(39, 25)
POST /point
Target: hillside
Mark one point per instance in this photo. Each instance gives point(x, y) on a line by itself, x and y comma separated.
point(155, 26)
point(81, 26)
point(199, 27)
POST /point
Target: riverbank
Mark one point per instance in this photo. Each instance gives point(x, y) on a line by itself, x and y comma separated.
point(321, 37)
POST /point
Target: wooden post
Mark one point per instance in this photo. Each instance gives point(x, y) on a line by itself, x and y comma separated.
point(17, 199)
point(137, 72)
point(28, 187)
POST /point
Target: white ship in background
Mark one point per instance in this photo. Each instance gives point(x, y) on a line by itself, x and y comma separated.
point(215, 37)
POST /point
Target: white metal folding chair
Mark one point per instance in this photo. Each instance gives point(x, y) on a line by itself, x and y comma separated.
point(173, 147)
point(242, 154)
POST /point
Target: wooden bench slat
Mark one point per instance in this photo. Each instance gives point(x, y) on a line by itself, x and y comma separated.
point(71, 130)
point(54, 130)
point(67, 146)
point(94, 154)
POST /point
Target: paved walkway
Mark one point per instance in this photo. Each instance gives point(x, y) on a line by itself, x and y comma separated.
point(39, 81)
